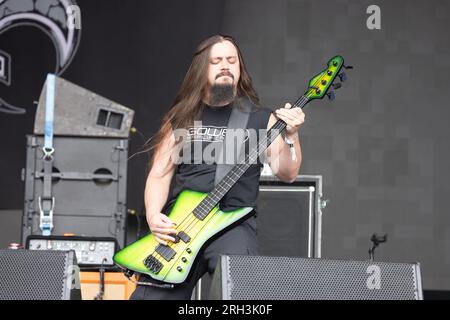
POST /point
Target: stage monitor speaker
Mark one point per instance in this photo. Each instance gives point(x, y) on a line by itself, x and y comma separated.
point(39, 275)
point(80, 112)
point(288, 278)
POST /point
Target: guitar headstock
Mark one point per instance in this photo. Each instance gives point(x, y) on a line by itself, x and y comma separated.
point(325, 82)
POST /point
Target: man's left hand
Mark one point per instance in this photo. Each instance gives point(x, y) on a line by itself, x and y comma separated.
point(294, 118)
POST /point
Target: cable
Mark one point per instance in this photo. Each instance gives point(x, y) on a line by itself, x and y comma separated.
point(140, 214)
point(136, 130)
point(101, 293)
point(138, 220)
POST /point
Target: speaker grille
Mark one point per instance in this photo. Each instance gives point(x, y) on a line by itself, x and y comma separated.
point(256, 277)
point(33, 275)
point(295, 205)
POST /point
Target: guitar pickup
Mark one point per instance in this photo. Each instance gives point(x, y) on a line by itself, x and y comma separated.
point(183, 236)
point(166, 252)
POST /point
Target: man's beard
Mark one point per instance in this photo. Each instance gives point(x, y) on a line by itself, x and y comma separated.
point(221, 93)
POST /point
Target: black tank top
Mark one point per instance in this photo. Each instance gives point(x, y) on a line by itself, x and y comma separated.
point(200, 177)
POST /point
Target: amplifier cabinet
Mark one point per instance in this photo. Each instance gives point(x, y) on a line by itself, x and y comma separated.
point(88, 185)
point(290, 216)
point(117, 286)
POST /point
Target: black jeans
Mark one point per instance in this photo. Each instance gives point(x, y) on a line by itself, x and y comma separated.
point(240, 240)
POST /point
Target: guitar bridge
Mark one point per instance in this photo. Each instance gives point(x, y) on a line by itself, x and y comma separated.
point(153, 264)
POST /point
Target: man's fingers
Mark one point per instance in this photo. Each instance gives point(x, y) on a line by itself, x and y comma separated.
point(297, 112)
point(164, 230)
point(164, 224)
point(296, 117)
point(284, 116)
point(165, 237)
point(287, 112)
point(160, 240)
point(166, 219)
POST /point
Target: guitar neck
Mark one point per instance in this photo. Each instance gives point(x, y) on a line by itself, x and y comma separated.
point(219, 191)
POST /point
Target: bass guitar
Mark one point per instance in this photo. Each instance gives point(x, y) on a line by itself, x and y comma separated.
point(197, 215)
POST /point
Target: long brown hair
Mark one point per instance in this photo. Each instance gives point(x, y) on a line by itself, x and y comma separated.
point(188, 105)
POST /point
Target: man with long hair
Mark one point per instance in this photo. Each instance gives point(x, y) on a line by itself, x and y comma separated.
point(217, 78)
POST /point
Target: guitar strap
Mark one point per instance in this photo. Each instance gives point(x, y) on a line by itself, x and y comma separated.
point(233, 142)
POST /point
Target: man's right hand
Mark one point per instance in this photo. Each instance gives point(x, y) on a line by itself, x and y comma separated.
point(162, 228)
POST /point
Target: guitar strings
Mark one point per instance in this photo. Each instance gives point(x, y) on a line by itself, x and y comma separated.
point(193, 219)
point(207, 211)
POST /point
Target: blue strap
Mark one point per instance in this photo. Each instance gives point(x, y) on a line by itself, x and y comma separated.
point(49, 112)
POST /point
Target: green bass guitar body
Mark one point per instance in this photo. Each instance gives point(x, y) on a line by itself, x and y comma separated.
point(172, 263)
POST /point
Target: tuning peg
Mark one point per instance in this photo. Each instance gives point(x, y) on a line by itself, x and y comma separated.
point(336, 85)
point(331, 95)
point(342, 76)
point(347, 67)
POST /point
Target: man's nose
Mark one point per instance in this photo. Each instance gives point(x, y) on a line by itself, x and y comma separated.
point(224, 65)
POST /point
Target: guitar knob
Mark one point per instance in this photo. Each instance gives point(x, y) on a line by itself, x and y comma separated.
point(329, 72)
point(184, 259)
point(179, 269)
point(188, 250)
